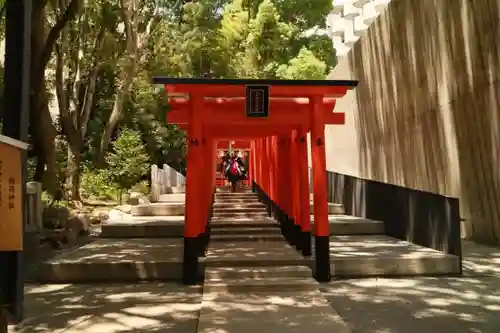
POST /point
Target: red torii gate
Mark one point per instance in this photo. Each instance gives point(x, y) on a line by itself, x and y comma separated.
point(275, 117)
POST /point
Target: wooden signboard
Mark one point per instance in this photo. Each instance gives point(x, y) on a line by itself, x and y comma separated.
point(257, 101)
point(11, 204)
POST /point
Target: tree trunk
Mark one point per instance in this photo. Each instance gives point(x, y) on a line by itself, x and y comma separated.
point(49, 133)
point(73, 173)
point(114, 118)
point(43, 129)
point(131, 23)
point(92, 82)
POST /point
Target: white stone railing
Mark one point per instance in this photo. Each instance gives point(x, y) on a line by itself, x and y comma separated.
point(163, 179)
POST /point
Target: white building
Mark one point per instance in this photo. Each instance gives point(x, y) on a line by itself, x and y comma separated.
point(349, 20)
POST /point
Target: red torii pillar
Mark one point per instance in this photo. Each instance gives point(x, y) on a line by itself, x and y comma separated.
point(287, 177)
point(194, 224)
point(268, 167)
point(284, 179)
point(303, 192)
point(295, 186)
point(259, 162)
point(321, 225)
point(251, 163)
point(300, 191)
point(274, 166)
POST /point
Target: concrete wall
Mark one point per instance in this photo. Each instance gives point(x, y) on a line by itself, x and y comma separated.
point(426, 112)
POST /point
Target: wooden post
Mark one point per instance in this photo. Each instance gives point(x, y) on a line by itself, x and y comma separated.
point(193, 215)
point(4, 320)
point(321, 231)
point(35, 206)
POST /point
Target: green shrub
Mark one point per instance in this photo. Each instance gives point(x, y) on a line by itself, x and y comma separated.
point(128, 161)
point(95, 185)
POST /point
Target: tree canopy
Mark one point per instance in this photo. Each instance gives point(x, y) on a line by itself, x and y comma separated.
point(92, 63)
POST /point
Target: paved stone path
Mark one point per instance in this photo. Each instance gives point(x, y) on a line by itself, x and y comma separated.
point(111, 308)
point(450, 304)
point(469, 304)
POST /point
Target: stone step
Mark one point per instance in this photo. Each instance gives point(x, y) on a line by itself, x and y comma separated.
point(173, 226)
point(144, 227)
point(109, 260)
point(248, 210)
point(224, 204)
point(236, 196)
point(158, 209)
point(172, 197)
point(236, 237)
point(225, 214)
point(351, 225)
point(257, 272)
point(269, 230)
point(333, 208)
point(253, 254)
point(378, 255)
point(236, 201)
point(268, 284)
point(260, 222)
point(176, 189)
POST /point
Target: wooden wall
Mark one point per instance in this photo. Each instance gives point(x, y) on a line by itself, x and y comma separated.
point(426, 112)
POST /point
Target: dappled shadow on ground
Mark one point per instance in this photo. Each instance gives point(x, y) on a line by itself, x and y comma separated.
point(111, 308)
point(446, 304)
point(418, 305)
point(295, 312)
point(378, 246)
point(250, 251)
point(481, 260)
point(133, 250)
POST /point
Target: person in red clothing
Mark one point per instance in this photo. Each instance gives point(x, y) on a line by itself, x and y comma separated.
point(234, 170)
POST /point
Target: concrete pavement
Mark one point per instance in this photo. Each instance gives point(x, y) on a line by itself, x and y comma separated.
point(111, 308)
point(469, 304)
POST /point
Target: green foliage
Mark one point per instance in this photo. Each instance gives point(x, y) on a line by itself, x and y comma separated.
point(304, 66)
point(214, 38)
point(128, 161)
point(95, 185)
point(273, 39)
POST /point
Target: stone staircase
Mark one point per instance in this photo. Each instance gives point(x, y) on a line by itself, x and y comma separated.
point(264, 261)
point(243, 239)
point(241, 217)
point(249, 265)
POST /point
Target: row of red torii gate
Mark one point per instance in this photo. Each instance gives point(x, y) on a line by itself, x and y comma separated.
point(270, 118)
